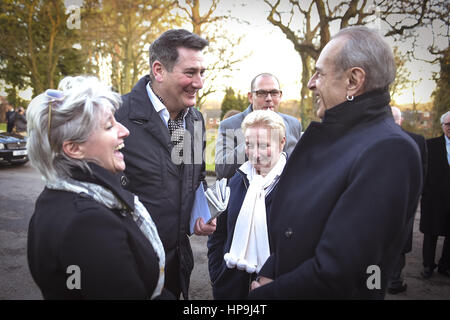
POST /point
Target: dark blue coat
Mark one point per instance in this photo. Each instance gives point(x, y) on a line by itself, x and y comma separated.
point(343, 204)
point(230, 283)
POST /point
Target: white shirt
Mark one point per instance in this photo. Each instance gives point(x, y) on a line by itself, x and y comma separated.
point(160, 108)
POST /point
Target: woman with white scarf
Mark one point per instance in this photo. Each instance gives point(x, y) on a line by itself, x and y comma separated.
point(240, 245)
point(88, 238)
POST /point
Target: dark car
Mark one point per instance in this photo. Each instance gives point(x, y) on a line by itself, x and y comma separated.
point(13, 148)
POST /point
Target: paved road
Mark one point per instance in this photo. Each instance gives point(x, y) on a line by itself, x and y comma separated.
point(19, 187)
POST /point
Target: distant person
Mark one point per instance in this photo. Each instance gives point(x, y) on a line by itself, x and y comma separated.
point(10, 118)
point(240, 245)
point(435, 205)
point(396, 283)
point(265, 94)
point(20, 122)
point(164, 153)
point(349, 188)
point(88, 238)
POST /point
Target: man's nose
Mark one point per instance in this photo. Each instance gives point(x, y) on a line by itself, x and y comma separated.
point(312, 82)
point(197, 81)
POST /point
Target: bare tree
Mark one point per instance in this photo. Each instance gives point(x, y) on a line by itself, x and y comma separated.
point(318, 17)
point(211, 26)
point(119, 30)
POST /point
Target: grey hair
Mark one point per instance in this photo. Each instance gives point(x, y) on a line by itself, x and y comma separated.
point(264, 118)
point(365, 48)
point(165, 48)
point(73, 118)
point(265, 74)
point(444, 116)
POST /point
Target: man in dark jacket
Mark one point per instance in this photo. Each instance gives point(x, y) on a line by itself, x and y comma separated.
point(348, 191)
point(396, 283)
point(164, 152)
point(435, 204)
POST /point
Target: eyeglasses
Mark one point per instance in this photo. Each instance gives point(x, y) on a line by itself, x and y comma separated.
point(447, 124)
point(264, 93)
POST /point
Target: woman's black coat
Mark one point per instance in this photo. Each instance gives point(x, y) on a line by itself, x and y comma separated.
point(115, 259)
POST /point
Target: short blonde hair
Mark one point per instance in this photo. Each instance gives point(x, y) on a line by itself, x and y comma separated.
point(75, 113)
point(264, 118)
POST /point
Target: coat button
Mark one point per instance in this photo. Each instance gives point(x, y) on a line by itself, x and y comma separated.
point(124, 181)
point(288, 233)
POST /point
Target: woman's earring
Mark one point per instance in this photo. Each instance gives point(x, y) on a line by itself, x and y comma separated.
point(350, 98)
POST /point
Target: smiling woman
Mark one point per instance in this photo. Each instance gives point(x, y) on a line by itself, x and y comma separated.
point(88, 238)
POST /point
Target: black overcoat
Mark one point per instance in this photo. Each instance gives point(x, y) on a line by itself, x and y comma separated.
point(115, 259)
point(435, 204)
point(166, 188)
point(342, 205)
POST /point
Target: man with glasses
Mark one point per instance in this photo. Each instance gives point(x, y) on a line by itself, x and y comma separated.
point(435, 204)
point(265, 94)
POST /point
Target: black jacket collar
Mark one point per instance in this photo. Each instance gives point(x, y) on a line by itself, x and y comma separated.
point(364, 107)
point(106, 179)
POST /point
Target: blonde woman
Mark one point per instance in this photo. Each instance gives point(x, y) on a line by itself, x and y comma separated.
point(240, 245)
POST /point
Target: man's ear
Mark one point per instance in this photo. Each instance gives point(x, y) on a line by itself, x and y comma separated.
point(73, 150)
point(158, 70)
point(356, 81)
point(250, 97)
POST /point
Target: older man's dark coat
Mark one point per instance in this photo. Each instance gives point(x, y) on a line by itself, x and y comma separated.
point(342, 205)
point(435, 204)
point(165, 188)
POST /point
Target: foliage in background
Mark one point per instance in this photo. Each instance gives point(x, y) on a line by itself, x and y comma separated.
point(220, 51)
point(37, 47)
point(232, 101)
point(119, 32)
point(441, 93)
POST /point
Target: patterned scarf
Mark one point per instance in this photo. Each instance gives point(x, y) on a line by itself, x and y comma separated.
point(176, 130)
point(140, 216)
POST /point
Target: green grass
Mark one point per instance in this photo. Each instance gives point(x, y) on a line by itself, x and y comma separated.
point(2, 126)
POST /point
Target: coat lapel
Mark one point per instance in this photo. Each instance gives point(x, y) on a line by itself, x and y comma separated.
point(147, 116)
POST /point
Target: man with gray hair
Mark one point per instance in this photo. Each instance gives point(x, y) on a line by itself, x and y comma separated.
point(348, 192)
point(435, 204)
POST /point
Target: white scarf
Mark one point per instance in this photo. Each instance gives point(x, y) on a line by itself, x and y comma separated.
point(250, 245)
point(140, 216)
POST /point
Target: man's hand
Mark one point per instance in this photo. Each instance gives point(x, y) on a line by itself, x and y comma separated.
point(204, 229)
point(260, 281)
